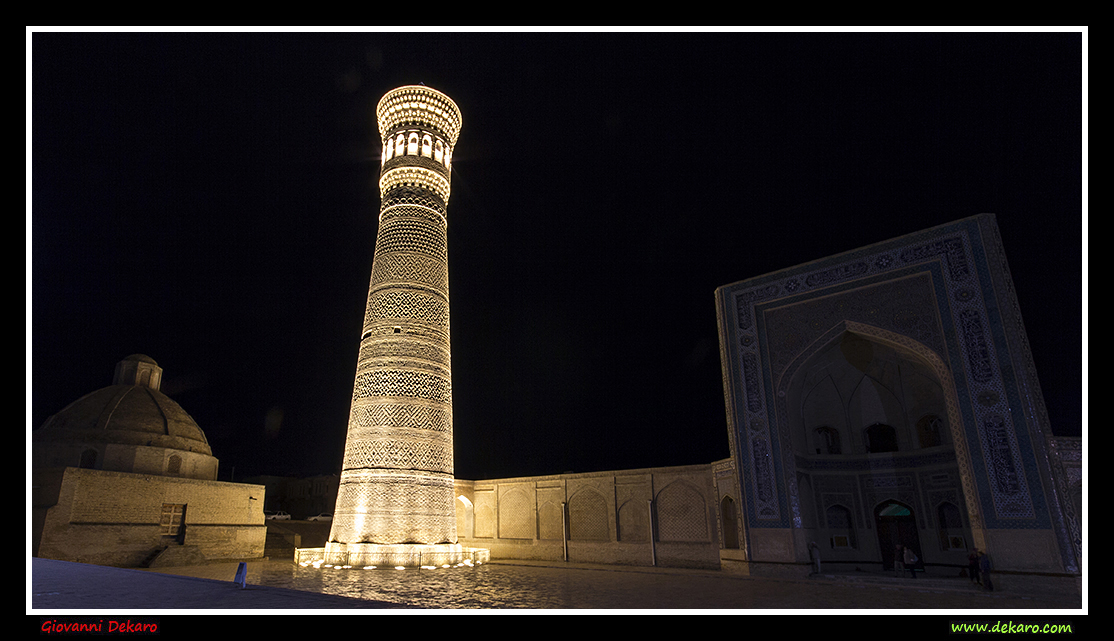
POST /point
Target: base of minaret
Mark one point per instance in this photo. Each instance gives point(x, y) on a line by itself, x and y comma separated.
point(409, 555)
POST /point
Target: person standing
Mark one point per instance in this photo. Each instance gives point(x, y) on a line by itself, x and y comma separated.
point(814, 554)
point(911, 562)
point(973, 565)
point(899, 560)
point(984, 571)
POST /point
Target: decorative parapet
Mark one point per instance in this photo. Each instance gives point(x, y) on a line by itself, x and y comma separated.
point(418, 104)
point(419, 127)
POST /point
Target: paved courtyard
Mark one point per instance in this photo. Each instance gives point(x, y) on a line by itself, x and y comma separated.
point(57, 585)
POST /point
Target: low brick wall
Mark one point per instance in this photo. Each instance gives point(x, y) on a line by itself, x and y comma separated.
point(116, 518)
point(657, 516)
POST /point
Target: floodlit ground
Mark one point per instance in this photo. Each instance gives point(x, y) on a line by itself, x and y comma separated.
point(280, 584)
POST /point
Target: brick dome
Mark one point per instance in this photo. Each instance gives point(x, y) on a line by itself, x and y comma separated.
point(131, 413)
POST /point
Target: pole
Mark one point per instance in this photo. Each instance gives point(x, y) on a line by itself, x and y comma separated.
point(564, 532)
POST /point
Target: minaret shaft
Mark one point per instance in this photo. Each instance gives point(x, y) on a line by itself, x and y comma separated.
point(396, 484)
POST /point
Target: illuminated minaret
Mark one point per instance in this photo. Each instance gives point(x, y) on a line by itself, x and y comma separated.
point(396, 483)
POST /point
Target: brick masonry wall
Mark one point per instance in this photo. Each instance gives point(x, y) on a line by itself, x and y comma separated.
point(608, 516)
point(112, 518)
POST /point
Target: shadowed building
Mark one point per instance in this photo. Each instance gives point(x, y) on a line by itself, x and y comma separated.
point(879, 397)
point(887, 396)
point(124, 476)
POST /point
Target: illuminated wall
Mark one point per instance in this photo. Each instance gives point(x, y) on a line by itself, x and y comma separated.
point(667, 516)
point(396, 482)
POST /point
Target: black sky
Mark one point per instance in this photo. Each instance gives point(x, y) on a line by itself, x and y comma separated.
point(210, 200)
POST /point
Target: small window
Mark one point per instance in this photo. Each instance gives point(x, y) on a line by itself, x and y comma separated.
point(172, 518)
point(827, 440)
point(880, 438)
point(174, 465)
point(930, 430)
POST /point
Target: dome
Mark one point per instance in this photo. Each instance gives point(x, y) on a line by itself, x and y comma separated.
point(126, 415)
point(129, 426)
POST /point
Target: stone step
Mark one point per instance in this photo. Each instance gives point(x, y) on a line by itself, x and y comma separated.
point(921, 582)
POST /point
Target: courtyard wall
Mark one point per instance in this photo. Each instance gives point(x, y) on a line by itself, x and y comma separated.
point(656, 516)
point(121, 519)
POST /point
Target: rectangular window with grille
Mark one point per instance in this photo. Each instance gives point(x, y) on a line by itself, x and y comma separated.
point(172, 518)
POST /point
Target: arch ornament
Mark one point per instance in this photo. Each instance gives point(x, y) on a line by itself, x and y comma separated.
point(927, 356)
point(634, 522)
point(682, 513)
point(516, 514)
point(465, 517)
point(946, 294)
point(588, 516)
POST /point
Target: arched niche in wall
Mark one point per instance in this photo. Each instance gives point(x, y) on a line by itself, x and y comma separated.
point(839, 389)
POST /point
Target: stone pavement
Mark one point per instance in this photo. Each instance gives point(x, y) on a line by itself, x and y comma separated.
point(61, 585)
point(58, 585)
point(829, 591)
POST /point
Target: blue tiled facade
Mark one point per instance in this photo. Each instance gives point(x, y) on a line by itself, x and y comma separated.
point(943, 295)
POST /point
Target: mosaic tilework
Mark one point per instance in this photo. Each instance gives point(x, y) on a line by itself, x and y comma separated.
point(988, 450)
point(1066, 456)
point(935, 497)
point(397, 474)
point(1024, 392)
point(841, 489)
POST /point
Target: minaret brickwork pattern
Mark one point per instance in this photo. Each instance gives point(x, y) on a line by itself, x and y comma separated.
point(396, 483)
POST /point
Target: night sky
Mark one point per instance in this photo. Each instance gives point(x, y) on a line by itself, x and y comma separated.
point(210, 200)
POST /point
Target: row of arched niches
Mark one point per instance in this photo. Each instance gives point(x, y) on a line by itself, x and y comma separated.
point(418, 143)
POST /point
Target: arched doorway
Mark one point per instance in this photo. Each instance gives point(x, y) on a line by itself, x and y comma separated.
point(464, 517)
point(896, 525)
point(730, 524)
